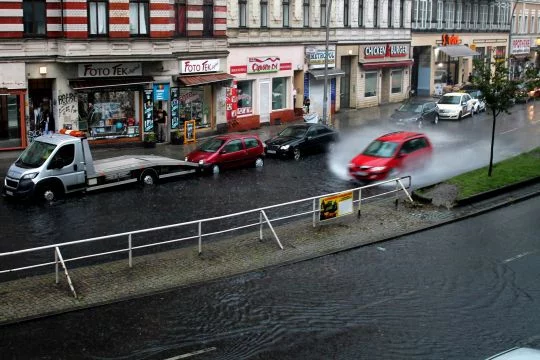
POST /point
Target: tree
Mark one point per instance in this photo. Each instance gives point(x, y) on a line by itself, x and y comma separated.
point(498, 92)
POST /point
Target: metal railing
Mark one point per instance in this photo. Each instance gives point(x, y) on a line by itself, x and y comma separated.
point(263, 219)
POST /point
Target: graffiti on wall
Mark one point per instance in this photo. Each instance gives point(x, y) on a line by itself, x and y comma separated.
point(68, 112)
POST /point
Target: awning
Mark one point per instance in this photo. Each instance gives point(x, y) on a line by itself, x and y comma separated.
point(319, 74)
point(193, 80)
point(125, 82)
point(457, 50)
point(388, 64)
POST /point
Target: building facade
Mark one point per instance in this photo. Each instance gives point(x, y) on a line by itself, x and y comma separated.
point(290, 37)
point(449, 34)
point(524, 37)
point(106, 67)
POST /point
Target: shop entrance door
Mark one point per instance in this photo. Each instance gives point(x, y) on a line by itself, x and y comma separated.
point(264, 101)
point(345, 87)
point(10, 121)
point(39, 101)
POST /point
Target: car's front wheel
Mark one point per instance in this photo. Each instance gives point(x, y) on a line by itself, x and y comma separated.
point(436, 119)
point(259, 162)
point(215, 169)
point(297, 154)
point(460, 115)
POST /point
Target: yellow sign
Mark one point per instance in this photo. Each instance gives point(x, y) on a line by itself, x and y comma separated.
point(335, 206)
point(473, 47)
point(189, 131)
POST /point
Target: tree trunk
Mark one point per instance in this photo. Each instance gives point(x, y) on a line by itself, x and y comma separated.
point(492, 143)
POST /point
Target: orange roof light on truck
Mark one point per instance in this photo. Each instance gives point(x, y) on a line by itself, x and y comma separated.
point(76, 133)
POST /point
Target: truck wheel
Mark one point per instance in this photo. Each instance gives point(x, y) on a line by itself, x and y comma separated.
point(148, 177)
point(259, 163)
point(215, 169)
point(49, 192)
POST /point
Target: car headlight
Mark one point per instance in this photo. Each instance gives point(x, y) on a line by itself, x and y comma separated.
point(29, 176)
point(201, 162)
point(378, 168)
point(285, 147)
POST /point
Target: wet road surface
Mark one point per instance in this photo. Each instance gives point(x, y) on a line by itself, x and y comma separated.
point(465, 290)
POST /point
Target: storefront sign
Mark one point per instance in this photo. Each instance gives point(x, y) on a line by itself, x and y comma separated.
point(110, 70)
point(257, 65)
point(244, 111)
point(521, 46)
point(189, 131)
point(161, 92)
point(175, 115)
point(450, 40)
point(238, 69)
point(386, 50)
point(336, 206)
point(148, 109)
point(315, 59)
point(199, 66)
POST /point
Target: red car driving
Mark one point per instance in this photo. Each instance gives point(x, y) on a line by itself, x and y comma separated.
point(390, 154)
point(228, 151)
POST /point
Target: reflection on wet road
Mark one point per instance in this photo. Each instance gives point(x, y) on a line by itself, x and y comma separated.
point(455, 292)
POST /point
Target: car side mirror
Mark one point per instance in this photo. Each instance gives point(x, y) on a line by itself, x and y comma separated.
point(223, 151)
point(401, 154)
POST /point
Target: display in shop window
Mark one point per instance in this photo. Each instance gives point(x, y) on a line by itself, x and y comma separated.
point(191, 106)
point(189, 131)
point(148, 109)
point(175, 115)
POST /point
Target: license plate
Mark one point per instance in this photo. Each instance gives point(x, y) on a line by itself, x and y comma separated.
point(271, 151)
point(10, 193)
point(361, 173)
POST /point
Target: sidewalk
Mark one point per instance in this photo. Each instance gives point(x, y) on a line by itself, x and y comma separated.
point(112, 282)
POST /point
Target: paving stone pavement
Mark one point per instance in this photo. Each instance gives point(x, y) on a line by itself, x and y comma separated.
point(39, 296)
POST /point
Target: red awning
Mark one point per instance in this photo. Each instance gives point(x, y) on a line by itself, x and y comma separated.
point(131, 81)
point(192, 80)
point(388, 64)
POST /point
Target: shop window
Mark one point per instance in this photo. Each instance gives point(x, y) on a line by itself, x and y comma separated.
point(244, 93)
point(181, 18)
point(323, 13)
point(208, 18)
point(138, 17)
point(34, 17)
point(264, 13)
point(279, 93)
point(194, 104)
point(242, 13)
point(360, 13)
point(97, 17)
point(10, 119)
point(306, 13)
point(109, 114)
point(371, 84)
point(286, 13)
point(397, 81)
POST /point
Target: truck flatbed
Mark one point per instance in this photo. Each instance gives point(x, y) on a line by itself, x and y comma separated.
point(115, 165)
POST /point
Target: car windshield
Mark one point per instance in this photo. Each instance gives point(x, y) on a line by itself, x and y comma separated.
point(475, 94)
point(297, 132)
point(35, 155)
point(452, 99)
point(211, 145)
point(411, 107)
point(381, 149)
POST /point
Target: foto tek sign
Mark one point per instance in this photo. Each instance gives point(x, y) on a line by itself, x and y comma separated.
point(199, 66)
point(109, 70)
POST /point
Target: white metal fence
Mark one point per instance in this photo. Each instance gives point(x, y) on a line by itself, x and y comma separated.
point(388, 187)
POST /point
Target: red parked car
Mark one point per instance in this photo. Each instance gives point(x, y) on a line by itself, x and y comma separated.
point(391, 154)
point(228, 151)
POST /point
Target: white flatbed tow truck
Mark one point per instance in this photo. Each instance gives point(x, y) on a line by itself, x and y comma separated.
point(57, 164)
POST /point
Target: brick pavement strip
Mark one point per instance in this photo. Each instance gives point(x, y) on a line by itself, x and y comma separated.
point(39, 296)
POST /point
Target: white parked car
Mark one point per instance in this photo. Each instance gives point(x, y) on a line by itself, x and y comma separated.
point(479, 105)
point(455, 106)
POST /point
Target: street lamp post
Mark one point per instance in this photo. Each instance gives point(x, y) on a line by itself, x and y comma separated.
point(511, 22)
point(325, 95)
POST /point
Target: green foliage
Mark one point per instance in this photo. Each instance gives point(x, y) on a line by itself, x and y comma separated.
point(150, 137)
point(497, 90)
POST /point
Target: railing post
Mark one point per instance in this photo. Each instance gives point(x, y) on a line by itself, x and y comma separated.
point(130, 247)
point(314, 212)
point(260, 226)
point(397, 193)
point(359, 203)
point(56, 266)
point(200, 237)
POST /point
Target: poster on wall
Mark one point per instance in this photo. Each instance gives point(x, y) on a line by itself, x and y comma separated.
point(175, 115)
point(231, 102)
point(161, 92)
point(148, 109)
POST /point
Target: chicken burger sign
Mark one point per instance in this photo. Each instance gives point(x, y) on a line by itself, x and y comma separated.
point(257, 65)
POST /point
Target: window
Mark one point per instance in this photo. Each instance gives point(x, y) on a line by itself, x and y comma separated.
point(397, 81)
point(433, 7)
point(401, 13)
point(346, 13)
point(242, 15)
point(138, 17)
point(208, 18)
point(414, 15)
point(519, 25)
point(371, 84)
point(467, 19)
point(360, 13)
point(279, 93)
point(440, 14)
point(306, 13)
point(34, 17)
point(233, 146)
point(532, 25)
point(449, 16)
point(97, 17)
point(264, 13)
point(244, 95)
point(286, 13)
point(491, 17)
point(323, 13)
point(483, 16)
point(526, 25)
point(459, 13)
point(181, 18)
point(63, 157)
point(376, 13)
point(251, 143)
point(390, 20)
point(475, 17)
